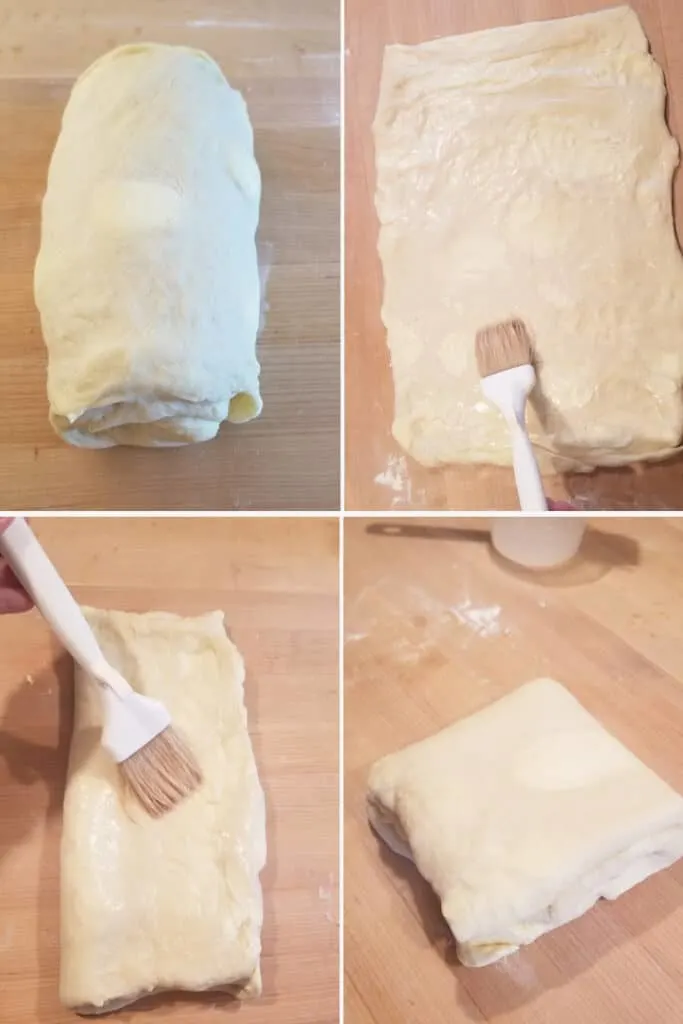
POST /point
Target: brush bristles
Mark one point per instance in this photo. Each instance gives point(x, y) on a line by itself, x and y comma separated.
point(502, 347)
point(162, 773)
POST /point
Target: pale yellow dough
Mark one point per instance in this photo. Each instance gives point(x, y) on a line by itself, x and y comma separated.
point(522, 816)
point(147, 278)
point(526, 172)
point(171, 903)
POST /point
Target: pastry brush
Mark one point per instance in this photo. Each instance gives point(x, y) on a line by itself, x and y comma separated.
point(155, 763)
point(505, 363)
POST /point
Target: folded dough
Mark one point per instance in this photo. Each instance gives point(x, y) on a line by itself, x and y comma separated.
point(522, 816)
point(174, 902)
point(526, 172)
point(147, 277)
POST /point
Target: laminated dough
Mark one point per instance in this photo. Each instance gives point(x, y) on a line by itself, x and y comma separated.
point(522, 816)
point(526, 172)
point(147, 278)
point(172, 902)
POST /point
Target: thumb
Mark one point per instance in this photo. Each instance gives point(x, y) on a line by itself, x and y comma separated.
point(13, 597)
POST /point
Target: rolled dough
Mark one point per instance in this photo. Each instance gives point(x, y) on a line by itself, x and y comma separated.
point(522, 816)
point(173, 902)
point(526, 172)
point(147, 278)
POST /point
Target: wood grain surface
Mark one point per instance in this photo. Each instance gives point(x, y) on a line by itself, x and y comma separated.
point(277, 582)
point(378, 474)
point(437, 628)
point(284, 56)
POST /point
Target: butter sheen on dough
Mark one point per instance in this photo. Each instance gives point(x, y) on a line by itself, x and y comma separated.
point(522, 816)
point(147, 278)
point(172, 903)
point(526, 172)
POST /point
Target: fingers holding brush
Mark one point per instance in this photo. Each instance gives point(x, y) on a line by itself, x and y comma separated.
point(13, 597)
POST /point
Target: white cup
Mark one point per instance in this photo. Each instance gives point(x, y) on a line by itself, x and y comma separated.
point(538, 542)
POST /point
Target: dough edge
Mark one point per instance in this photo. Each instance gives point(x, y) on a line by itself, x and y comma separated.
point(212, 625)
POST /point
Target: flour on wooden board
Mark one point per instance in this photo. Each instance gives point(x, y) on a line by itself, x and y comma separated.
point(325, 896)
point(388, 604)
point(483, 619)
point(397, 478)
point(230, 23)
point(519, 970)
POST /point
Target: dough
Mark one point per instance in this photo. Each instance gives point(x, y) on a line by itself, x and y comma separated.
point(147, 278)
point(522, 816)
point(173, 902)
point(526, 172)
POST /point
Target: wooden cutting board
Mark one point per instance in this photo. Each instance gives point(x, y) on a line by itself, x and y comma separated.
point(277, 582)
point(284, 56)
point(378, 474)
point(436, 628)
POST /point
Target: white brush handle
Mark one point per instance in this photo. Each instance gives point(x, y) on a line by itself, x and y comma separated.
point(527, 476)
point(509, 390)
point(54, 601)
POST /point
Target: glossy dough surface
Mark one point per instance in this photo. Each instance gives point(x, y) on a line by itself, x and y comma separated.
point(147, 277)
point(522, 816)
point(171, 903)
point(526, 172)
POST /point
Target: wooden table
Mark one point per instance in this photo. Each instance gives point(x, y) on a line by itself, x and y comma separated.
point(277, 582)
point(378, 474)
point(284, 56)
point(435, 630)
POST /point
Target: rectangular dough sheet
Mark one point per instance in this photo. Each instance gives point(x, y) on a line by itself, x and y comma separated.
point(522, 816)
point(526, 172)
point(171, 903)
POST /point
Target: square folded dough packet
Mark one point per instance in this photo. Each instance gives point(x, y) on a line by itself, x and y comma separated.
point(522, 816)
point(149, 905)
point(526, 172)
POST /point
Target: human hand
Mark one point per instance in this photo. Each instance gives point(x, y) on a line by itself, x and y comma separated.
point(560, 506)
point(13, 597)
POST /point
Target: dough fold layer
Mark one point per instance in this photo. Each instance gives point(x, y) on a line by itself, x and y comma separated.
point(147, 278)
point(526, 172)
point(522, 816)
point(173, 903)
